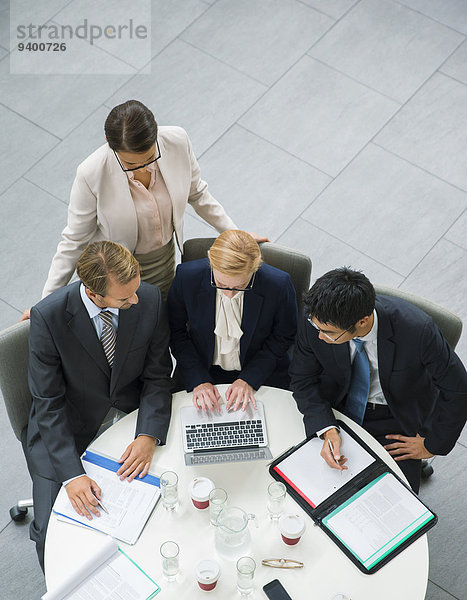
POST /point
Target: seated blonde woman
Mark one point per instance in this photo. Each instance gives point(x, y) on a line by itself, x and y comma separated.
point(232, 319)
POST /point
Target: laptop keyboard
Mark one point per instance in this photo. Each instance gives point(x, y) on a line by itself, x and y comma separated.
point(226, 456)
point(204, 436)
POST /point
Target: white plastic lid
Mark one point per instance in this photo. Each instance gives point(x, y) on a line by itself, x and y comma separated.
point(291, 526)
point(200, 488)
point(207, 571)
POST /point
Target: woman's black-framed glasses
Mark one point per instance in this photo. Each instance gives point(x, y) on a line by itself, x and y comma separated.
point(140, 166)
point(227, 289)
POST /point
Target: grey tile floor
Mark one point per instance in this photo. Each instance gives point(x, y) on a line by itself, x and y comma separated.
point(334, 126)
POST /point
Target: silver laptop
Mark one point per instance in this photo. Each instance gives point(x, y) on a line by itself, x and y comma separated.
point(232, 436)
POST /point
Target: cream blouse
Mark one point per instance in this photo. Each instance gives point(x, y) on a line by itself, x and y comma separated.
point(228, 331)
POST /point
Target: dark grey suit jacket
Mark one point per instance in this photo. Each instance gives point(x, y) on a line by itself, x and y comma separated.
point(423, 380)
point(73, 386)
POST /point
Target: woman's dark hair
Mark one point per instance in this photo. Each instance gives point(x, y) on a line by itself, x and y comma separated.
point(130, 127)
point(340, 297)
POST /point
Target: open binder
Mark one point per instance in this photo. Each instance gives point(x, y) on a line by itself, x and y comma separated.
point(367, 510)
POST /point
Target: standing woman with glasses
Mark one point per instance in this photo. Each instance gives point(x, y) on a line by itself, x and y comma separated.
point(134, 190)
point(232, 319)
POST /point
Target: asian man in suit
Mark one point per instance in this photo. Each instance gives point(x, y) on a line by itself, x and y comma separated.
point(98, 348)
point(384, 363)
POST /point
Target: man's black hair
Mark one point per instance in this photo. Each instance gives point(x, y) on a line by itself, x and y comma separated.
point(341, 298)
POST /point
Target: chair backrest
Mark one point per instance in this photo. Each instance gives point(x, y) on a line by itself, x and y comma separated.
point(293, 262)
point(448, 322)
point(14, 356)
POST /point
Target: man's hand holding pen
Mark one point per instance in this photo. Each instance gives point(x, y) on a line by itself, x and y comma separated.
point(331, 450)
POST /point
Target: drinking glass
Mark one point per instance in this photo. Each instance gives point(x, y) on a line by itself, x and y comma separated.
point(245, 573)
point(170, 564)
point(169, 489)
point(217, 501)
point(276, 499)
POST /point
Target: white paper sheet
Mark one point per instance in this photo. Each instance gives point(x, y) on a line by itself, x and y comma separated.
point(129, 504)
point(106, 575)
point(378, 519)
point(313, 478)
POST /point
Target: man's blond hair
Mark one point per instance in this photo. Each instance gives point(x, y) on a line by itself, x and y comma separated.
point(101, 260)
point(235, 252)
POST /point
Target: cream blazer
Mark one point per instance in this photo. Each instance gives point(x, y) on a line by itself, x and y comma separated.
point(101, 206)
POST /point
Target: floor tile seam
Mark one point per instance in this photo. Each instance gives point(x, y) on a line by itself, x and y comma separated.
point(419, 12)
point(344, 14)
point(353, 247)
point(441, 72)
point(30, 121)
point(46, 191)
point(369, 87)
point(443, 589)
point(452, 53)
point(136, 69)
point(300, 159)
point(462, 444)
point(5, 527)
point(455, 186)
point(226, 64)
point(426, 254)
point(11, 305)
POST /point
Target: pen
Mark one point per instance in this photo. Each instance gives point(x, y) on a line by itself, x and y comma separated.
point(331, 447)
point(99, 503)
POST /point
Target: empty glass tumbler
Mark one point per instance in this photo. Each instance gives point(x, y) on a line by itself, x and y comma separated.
point(217, 501)
point(169, 489)
point(276, 499)
point(245, 574)
point(170, 559)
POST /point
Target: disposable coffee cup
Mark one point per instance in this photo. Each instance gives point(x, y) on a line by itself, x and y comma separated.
point(207, 574)
point(292, 528)
point(199, 489)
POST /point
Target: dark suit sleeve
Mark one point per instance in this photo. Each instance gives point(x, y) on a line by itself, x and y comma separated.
point(156, 399)
point(305, 377)
point(261, 365)
point(190, 365)
point(449, 376)
point(47, 387)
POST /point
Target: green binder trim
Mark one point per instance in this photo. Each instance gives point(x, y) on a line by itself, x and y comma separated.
point(144, 573)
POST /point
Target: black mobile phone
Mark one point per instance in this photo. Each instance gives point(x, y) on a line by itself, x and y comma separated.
point(274, 590)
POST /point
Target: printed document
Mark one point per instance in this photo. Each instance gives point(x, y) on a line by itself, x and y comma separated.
point(378, 519)
point(108, 574)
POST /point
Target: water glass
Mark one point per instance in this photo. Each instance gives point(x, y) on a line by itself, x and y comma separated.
point(245, 574)
point(170, 563)
point(217, 501)
point(276, 499)
point(169, 489)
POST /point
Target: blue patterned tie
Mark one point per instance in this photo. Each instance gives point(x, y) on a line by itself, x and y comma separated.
point(357, 396)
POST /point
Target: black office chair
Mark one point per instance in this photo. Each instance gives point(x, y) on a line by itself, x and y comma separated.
point(14, 351)
point(448, 322)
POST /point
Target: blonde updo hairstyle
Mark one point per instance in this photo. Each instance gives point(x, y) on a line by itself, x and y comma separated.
point(235, 252)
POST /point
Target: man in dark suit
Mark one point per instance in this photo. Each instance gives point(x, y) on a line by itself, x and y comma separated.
point(255, 304)
point(98, 347)
point(384, 363)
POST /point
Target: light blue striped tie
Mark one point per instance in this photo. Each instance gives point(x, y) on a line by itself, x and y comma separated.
point(108, 336)
point(357, 396)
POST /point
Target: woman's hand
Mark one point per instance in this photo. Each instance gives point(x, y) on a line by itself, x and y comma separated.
point(239, 393)
point(258, 238)
point(206, 397)
point(26, 315)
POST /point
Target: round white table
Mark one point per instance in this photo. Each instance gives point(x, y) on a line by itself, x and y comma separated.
point(327, 570)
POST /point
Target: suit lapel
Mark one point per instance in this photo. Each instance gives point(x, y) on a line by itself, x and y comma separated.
point(342, 358)
point(206, 302)
point(127, 325)
point(386, 348)
point(84, 330)
point(252, 303)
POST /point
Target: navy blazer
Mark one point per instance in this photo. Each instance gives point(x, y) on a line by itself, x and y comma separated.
point(423, 380)
point(73, 386)
point(269, 325)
